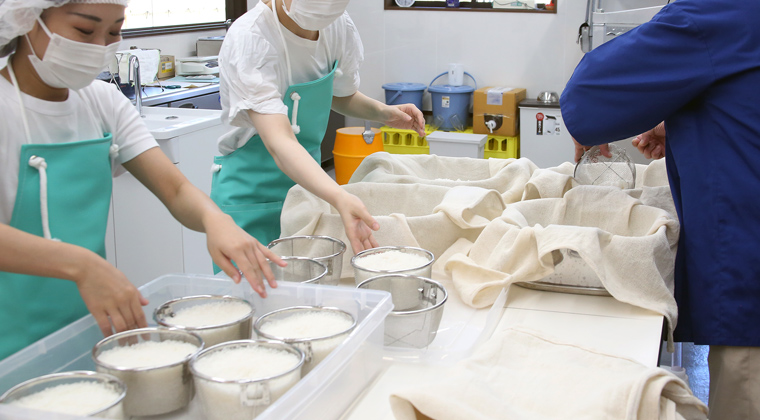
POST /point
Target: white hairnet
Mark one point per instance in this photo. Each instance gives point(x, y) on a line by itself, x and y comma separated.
point(17, 17)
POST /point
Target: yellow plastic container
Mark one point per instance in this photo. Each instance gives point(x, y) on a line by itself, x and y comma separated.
point(404, 142)
point(350, 150)
point(502, 147)
point(408, 142)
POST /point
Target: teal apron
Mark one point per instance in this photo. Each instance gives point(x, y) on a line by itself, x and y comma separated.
point(71, 205)
point(248, 185)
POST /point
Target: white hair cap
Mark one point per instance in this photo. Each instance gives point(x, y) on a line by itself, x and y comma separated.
point(17, 17)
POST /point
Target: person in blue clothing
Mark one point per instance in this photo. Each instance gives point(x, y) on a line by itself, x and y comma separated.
point(693, 73)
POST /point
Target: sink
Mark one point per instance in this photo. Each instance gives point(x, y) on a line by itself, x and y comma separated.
point(165, 123)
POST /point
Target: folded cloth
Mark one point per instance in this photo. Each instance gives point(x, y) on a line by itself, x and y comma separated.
point(651, 186)
point(425, 216)
point(519, 374)
point(630, 248)
point(507, 176)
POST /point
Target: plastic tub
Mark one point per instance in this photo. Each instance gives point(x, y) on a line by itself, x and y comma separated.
point(300, 270)
point(242, 399)
point(328, 390)
point(314, 347)
point(457, 144)
point(451, 104)
point(362, 273)
point(418, 308)
point(113, 410)
point(238, 329)
point(350, 150)
point(404, 93)
point(329, 251)
point(156, 389)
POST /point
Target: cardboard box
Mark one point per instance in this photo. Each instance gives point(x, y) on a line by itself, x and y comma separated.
point(494, 111)
point(166, 67)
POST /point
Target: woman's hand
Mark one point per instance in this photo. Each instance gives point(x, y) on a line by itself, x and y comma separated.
point(404, 116)
point(227, 242)
point(652, 143)
point(357, 222)
point(109, 296)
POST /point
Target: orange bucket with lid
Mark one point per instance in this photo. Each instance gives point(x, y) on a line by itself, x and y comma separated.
point(350, 149)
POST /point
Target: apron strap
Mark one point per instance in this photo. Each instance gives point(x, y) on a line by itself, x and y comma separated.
point(284, 44)
point(40, 164)
point(294, 119)
point(14, 82)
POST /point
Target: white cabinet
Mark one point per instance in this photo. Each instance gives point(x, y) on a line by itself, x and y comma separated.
point(147, 241)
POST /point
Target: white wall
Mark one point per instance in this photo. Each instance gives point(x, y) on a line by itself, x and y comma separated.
point(178, 45)
point(530, 50)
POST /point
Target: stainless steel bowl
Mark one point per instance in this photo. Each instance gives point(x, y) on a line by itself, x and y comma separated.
point(114, 410)
point(315, 348)
point(418, 307)
point(329, 251)
point(243, 399)
point(363, 273)
point(548, 97)
point(239, 329)
point(300, 270)
point(151, 390)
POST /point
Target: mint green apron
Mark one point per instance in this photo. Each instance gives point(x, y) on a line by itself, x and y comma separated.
point(78, 192)
point(249, 186)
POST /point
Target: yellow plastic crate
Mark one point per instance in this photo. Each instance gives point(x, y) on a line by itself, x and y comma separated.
point(404, 142)
point(408, 142)
point(502, 147)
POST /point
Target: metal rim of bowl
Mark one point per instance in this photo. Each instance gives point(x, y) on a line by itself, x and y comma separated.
point(139, 331)
point(313, 237)
point(98, 376)
point(310, 281)
point(424, 279)
point(199, 297)
point(257, 324)
point(381, 249)
point(246, 343)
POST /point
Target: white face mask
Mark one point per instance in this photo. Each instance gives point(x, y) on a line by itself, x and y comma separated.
point(314, 15)
point(70, 64)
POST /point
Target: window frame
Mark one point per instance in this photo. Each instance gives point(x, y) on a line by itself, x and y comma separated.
point(465, 6)
point(233, 8)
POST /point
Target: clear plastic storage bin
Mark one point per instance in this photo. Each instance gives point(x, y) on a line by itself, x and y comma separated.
point(325, 393)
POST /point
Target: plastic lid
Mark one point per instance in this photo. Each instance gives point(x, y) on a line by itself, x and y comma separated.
point(450, 89)
point(404, 86)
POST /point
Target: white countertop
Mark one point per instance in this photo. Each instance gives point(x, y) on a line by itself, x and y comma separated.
point(598, 322)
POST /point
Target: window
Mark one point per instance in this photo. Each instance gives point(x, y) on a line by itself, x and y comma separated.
point(153, 17)
point(529, 6)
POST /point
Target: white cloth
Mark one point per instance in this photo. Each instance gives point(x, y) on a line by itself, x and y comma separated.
point(60, 122)
point(426, 216)
point(630, 248)
point(520, 375)
point(651, 186)
point(507, 176)
point(253, 70)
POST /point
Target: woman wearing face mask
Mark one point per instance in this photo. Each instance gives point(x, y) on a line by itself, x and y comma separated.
point(62, 135)
point(283, 66)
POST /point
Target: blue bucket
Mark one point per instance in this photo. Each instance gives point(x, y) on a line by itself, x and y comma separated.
point(451, 104)
point(404, 93)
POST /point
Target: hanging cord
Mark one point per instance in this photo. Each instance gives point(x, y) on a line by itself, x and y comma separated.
point(294, 120)
point(40, 164)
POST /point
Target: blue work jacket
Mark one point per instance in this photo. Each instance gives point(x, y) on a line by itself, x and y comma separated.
point(696, 66)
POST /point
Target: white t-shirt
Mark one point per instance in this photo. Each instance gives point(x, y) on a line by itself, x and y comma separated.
point(86, 114)
point(254, 73)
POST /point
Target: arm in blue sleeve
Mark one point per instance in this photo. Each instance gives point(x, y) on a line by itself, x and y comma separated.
point(629, 85)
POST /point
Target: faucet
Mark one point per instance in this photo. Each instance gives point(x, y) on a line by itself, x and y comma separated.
point(134, 74)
